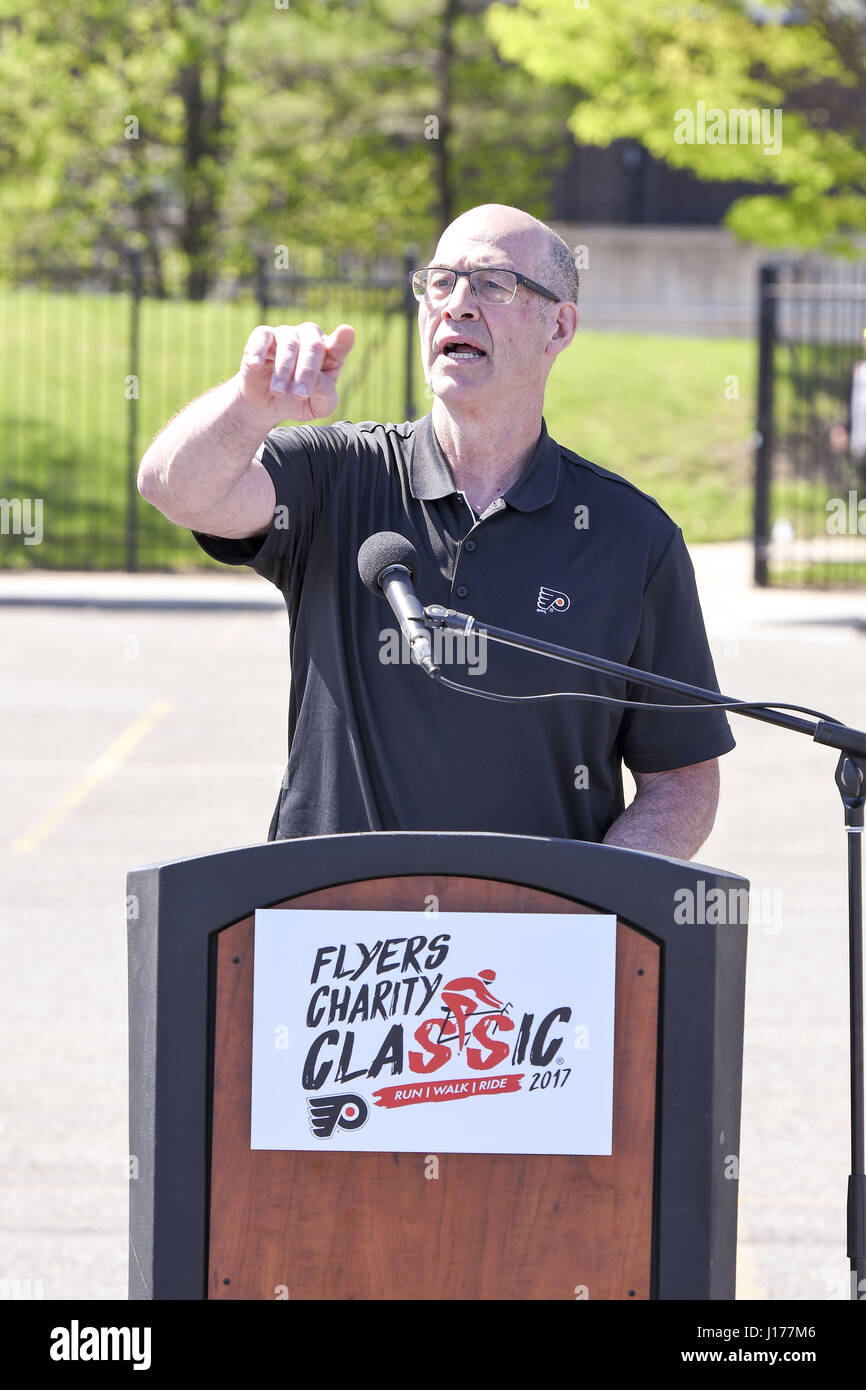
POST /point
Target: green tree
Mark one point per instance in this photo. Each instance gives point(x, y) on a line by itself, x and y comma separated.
point(641, 66)
point(386, 118)
point(200, 131)
point(115, 134)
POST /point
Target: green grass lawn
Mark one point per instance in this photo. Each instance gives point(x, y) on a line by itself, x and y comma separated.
point(652, 408)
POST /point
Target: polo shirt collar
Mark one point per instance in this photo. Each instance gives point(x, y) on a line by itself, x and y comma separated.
point(430, 476)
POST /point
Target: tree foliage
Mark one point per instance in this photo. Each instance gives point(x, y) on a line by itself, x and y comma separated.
point(202, 131)
point(639, 65)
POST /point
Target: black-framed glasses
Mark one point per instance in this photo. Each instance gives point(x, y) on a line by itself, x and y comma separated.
point(491, 284)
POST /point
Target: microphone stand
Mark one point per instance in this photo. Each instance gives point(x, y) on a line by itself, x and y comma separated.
point(851, 781)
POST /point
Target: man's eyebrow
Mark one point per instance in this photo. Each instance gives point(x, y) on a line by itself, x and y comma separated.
point(488, 265)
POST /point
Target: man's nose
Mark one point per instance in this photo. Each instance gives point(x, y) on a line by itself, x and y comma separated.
point(461, 301)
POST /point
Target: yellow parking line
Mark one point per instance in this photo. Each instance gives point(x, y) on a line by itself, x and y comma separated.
point(105, 766)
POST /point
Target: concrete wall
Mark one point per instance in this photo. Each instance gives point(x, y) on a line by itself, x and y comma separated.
point(699, 280)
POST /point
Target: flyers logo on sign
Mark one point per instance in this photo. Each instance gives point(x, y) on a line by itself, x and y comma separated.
point(326, 1112)
point(552, 601)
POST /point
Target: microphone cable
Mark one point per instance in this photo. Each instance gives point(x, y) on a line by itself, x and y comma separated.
point(630, 704)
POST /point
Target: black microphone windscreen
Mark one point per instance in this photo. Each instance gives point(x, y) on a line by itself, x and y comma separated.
point(379, 551)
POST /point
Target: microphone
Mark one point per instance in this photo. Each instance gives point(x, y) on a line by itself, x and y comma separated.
point(387, 563)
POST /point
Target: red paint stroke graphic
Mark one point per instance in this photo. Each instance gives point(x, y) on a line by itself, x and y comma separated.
point(419, 1093)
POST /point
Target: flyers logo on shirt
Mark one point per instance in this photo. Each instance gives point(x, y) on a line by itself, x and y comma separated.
point(552, 601)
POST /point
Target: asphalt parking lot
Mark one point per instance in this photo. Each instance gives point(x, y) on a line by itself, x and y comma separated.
point(145, 719)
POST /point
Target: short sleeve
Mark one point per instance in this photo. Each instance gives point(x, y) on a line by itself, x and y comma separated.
point(672, 641)
point(305, 463)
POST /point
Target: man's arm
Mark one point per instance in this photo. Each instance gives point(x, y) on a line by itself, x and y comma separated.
point(672, 813)
point(200, 471)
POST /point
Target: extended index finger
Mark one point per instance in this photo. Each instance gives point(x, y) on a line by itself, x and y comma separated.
point(338, 345)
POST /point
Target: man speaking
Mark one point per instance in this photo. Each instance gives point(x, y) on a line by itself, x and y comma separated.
point(507, 525)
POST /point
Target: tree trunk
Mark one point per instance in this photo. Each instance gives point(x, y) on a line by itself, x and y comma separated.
point(202, 139)
point(442, 146)
point(194, 233)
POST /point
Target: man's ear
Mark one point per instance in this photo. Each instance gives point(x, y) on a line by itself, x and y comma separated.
point(564, 327)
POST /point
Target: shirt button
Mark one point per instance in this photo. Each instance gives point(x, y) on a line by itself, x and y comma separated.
point(462, 591)
point(468, 545)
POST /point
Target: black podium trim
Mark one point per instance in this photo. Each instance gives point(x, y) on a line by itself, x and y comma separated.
point(184, 904)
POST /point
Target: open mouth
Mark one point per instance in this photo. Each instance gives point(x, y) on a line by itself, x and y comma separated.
point(463, 352)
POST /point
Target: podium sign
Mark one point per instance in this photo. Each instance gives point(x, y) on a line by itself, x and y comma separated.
point(370, 1026)
point(650, 1213)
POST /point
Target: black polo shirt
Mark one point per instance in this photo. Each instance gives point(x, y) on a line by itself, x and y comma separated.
point(572, 553)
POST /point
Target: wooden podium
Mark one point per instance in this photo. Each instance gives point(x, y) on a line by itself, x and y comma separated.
point(211, 1218)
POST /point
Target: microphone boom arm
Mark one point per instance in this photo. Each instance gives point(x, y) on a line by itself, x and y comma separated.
point(851, 782)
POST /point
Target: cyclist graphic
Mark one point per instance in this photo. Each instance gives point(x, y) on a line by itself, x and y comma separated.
point(457, 996)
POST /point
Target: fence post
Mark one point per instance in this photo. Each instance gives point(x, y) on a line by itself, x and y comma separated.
point(262, 286)
point(132, 418)
point(409, 264)
point(768, 278)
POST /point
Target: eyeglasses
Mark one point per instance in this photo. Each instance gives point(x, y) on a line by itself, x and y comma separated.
point(491, 285)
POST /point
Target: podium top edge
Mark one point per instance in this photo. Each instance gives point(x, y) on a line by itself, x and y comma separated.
point(442, 840)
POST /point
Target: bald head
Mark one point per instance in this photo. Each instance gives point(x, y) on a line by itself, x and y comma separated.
point(528, 242)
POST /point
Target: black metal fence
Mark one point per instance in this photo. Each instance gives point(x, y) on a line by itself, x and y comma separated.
point(87, 379)
point(810, 482)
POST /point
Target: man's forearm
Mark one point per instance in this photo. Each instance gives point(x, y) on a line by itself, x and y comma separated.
point(201, 453)
point(672, 813)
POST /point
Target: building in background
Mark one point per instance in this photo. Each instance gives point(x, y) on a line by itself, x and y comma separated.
point(655, 257)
